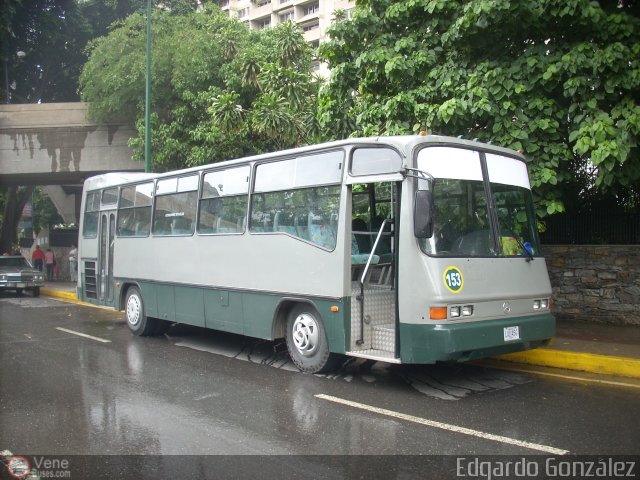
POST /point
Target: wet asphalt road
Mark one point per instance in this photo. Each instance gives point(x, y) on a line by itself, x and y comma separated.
point(196, 392)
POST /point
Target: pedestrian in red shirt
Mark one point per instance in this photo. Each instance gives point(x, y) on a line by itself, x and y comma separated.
point(38, 257)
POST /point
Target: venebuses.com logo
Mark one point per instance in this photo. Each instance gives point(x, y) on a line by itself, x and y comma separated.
point(21, 467)
point(18, 467)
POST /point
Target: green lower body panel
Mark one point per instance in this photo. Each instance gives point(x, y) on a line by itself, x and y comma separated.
point(250, 313)
point(424, 343)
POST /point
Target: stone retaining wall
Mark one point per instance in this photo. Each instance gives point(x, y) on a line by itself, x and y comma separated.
point(595, 283)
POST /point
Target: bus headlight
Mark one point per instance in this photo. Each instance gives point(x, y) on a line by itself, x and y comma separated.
point(457, 311)
point(541, 304)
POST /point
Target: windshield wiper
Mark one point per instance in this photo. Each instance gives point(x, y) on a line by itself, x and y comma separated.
point(525, 249)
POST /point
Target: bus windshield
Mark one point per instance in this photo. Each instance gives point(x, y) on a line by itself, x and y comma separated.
point(462, 223)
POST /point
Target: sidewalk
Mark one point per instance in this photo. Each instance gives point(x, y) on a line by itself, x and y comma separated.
point(595, 348)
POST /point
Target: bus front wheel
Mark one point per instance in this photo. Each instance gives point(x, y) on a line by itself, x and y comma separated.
point(307, 341)
point(134, 314)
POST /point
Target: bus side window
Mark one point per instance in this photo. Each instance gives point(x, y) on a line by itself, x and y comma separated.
point(91, 210)
point(223, 204)
point(176, 200)
point(299, 196)
point(208, 220)
point(134, 210)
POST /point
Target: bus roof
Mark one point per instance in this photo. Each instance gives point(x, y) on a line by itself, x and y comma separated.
point(405, 143)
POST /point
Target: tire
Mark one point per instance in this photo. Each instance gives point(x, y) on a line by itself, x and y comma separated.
point(135, 316)
point(161, 327)
point(307, 341)
point(19, 292)
point(36, 291)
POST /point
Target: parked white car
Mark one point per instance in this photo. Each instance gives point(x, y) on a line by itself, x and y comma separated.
point(16, 273)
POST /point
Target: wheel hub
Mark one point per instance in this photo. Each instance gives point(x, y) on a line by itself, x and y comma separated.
point(305, 334)
point(133, 310)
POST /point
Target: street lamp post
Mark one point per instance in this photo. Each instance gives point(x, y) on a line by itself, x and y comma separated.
point(147, 108)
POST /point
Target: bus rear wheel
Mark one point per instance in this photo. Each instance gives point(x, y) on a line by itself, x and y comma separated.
point(307, 341)
point(136, 318)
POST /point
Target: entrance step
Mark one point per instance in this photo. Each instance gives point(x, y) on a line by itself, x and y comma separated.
point(373, 354)
point(384, 337)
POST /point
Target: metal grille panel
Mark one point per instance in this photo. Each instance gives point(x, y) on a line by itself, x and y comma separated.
point(384, 337)
point(379, 309)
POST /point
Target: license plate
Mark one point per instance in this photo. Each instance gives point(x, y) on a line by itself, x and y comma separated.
point(21, 285)
point(511, 333)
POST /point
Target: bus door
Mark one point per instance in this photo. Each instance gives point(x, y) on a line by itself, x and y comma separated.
point(374, 210)
point(105, 257)
point(375, 175)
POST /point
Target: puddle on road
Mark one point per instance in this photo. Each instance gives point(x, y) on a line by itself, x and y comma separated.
point(442, 381)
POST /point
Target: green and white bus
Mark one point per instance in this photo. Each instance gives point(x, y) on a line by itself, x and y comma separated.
point(409, 249)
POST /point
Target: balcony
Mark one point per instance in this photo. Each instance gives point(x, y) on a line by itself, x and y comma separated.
point(261, 23)
point(259, 11)
point(281, 4)
point(311, 30)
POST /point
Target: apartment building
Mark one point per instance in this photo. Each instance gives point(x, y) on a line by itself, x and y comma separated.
point(313, 16)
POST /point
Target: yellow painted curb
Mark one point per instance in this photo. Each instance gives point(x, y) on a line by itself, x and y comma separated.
point(71, 297)
point(585, 362)
point(50, 292)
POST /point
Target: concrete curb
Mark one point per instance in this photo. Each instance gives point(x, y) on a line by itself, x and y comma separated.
point(584, 362)
point(545, 357)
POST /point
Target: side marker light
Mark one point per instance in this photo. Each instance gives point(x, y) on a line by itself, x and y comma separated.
point(438, 313)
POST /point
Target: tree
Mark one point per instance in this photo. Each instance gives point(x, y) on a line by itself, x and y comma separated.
point(45, 213)
point(557, 78)
point(213, 82)
point(14, 202)
point(43, 42)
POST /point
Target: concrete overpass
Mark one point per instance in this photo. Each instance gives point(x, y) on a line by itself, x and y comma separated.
point(56, 146)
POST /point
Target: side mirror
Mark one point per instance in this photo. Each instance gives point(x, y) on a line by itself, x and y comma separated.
point(423, 214)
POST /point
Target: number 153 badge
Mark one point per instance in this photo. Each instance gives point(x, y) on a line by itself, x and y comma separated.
point(453, 279)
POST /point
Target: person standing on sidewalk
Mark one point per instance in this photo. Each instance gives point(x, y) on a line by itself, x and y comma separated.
point(49, 261)
point(37, 257)
point(73, 263)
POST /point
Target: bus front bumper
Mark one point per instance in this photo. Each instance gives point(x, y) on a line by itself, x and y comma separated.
point(424, 343)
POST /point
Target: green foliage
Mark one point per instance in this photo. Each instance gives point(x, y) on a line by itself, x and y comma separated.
point(557, 78)
point(219, 91)
point(45, 213)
